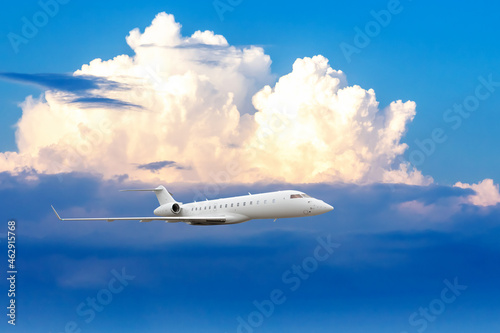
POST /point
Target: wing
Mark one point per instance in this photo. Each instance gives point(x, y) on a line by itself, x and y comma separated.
point(195, 220)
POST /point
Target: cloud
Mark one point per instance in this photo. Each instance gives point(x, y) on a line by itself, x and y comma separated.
point(442, 211)
point(358, 208)
point(62, 82)
point(201, 102)
point(78, 89)
point(389, 259)
point(445, 207)
point(94, 102)
point(487, 193)
point(155, 166)
point(312, 127)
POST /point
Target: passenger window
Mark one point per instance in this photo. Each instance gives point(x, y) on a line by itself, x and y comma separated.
point(238, 204)
point(250, 202)
point(226, 205)
point(244, 203)
point(231, 205)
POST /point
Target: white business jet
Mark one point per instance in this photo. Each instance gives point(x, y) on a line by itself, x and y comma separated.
point(272, 205)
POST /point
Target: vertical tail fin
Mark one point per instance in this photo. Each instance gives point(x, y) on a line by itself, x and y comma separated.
point(163, 195)
point(161, 192)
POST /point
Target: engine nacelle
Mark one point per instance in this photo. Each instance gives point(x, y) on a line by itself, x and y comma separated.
point(168, 209)
point(175, 208)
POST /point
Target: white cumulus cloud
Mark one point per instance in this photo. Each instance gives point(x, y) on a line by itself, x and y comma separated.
point(487, 193)
point(198, 109)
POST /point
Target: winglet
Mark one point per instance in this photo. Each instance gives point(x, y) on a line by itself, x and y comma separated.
point(56, 213)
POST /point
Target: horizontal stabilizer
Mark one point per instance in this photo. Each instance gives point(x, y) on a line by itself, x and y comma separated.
point(161, 192)
point(142, 189)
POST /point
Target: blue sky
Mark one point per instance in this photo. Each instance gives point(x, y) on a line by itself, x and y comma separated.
point(398, 242)
point(385, 266)
point(429, 53)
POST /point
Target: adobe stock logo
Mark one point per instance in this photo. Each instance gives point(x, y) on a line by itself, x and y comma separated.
point(89, 309)
point(420, 319)
point(373, 28)
point(223, 6)
point(293, 279)
point(31, 26)
point(454, 117)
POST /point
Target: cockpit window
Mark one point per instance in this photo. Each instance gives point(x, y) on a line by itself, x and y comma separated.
point(297, 196)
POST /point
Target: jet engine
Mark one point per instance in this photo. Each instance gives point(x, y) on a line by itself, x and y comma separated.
point(168, 209)
point(174, 207)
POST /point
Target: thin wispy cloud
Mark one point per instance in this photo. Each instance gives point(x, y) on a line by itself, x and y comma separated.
point(64, 82)
point(77, 89)
point(99, 102)
point(156, 166)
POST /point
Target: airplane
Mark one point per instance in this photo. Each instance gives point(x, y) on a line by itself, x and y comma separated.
point(271, 205)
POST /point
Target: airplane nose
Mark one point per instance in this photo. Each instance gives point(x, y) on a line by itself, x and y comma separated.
point(323, 207)
point(326, 208)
